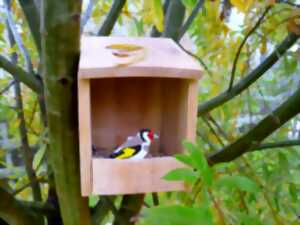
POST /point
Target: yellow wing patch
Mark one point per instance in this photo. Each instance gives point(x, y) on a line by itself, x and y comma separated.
point(126, 153)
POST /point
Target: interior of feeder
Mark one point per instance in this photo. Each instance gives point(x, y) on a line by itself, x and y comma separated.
point(120, 107)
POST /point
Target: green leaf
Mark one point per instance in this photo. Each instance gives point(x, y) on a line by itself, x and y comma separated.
point(249, 220)
point(178, 215)
point(184, 159)
point(293, 192)
point(38, 157)
point(188, 3)
point(158, 15)
point(181, 174)
point(199, 162)
point(93, 200)
point(240, 182)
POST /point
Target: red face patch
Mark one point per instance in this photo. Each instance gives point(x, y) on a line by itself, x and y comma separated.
point(151, 135)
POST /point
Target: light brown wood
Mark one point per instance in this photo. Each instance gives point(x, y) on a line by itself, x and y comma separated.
point(192, 107)
point(161, 58)
point(85, 136)
point(158, 92)
point(112, 177)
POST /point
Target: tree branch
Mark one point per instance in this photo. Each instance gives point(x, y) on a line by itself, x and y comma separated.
point(17, 37)
point(7, 87)
point(60, 27)
point(111, 17)
point(289, 3)
point(13, 212)
point(32, 15)
point(103, 207)
point(129, 210)
point(27, 78)
point(26, 150)
point(173, 19)
point(86, 15)
point(252, 139)
point(250, 78)
point(280, 144)
point(237, 56)
point(191, 18)
point(197, 58)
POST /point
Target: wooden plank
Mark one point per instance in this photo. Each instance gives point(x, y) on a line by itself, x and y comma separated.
point(84, 112)
point(160, 57)
point(192, 107)
point(112, 176)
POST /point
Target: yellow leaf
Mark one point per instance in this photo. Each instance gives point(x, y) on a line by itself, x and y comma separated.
point(263, 48)
point(158, 15)
point(153, 13)
point(147, 11)
point(272, 2)
point(242, 5)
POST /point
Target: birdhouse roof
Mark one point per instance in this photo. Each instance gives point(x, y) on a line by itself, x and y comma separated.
point(104, 57)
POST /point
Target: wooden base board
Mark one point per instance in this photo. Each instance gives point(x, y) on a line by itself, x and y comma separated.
point(113, 177)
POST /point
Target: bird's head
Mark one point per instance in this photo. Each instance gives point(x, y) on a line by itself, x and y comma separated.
point(147, 135)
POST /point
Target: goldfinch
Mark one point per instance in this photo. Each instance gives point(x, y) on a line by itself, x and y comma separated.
point(136, 147)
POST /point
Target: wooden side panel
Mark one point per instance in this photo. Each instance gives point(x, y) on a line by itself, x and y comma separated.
point(112, 177)
point(85, 136)
point(192, 107)
point(173, 127)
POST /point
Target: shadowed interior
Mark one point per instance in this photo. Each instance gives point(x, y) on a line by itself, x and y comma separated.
point(123, 106)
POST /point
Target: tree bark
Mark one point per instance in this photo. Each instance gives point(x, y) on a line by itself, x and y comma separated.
point(129, 210)
point(174, 19)
point(31, 12)
point(60, 26)
point(13, 213)
point(111, 18)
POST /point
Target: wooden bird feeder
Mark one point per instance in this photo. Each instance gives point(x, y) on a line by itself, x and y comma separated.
point(125, 84)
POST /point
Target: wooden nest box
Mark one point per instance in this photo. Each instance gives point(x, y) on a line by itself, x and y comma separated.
point(125, 84)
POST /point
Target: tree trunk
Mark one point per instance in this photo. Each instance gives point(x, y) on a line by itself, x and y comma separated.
point(60, 26)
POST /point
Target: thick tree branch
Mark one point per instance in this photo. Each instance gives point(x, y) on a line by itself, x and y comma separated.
point(32, 15)
point(252, 139)
point(250, 78)
point(13, 212)
point(60, 27)
point(111, 17)
point(237, 56)
point(174, 19)
point(191, 18)
point(27, 78)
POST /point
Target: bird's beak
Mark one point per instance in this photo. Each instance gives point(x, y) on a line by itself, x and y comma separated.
point(156, 136)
